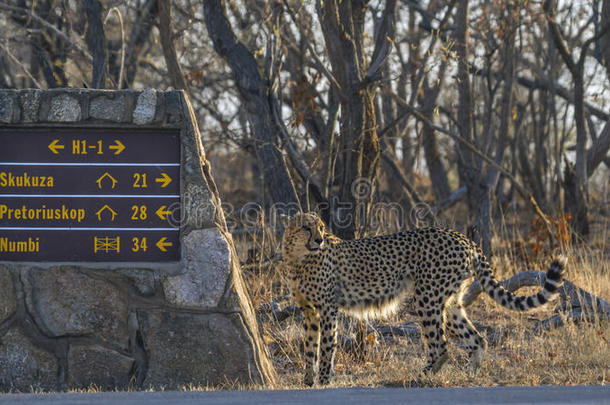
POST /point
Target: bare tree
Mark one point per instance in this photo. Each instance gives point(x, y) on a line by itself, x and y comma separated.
point(343, 27)
point(139, 37)
point(576, 189)
point(258, 100)
point(469, 168)
point(601, 144)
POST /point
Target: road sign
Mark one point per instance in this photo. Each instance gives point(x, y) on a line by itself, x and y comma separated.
point(89, 195)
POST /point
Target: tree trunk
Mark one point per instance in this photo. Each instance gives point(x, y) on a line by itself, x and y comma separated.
point(469, 169)
point(146, 14)
point(343, 28)
point(578, 193)
point(598, 150)
point(605, 40)
point(488, 190)
point(580, 222)
point(96, 41)
point(438, 174)
point(601, 144)
point(169, 50)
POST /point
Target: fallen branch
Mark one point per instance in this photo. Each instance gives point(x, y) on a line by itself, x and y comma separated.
point(260, 265)
point(578, 316)
point(577, 305)
point(273, 311)
point(373, 333)
point(407, 329)
point(572, 296)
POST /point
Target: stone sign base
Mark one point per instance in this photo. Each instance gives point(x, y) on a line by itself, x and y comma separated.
point(130, 325)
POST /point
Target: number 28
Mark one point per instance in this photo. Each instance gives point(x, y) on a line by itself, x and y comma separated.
point(138, 212)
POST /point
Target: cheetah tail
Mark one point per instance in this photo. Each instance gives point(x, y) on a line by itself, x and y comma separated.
point(554, 281)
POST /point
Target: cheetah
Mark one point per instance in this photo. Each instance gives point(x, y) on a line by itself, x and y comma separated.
point(370, 277)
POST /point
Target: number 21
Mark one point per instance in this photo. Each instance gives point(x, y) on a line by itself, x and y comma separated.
point(139, 180)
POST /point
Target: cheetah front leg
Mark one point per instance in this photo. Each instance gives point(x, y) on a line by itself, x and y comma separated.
point(311, 324)
point(328, 342)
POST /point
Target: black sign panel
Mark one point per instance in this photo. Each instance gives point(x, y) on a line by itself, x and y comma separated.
point(89, 195)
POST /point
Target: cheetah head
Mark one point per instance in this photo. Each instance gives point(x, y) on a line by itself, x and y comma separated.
point(303, 235)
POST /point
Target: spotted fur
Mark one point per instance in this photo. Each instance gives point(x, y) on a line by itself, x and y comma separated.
point(370, 277)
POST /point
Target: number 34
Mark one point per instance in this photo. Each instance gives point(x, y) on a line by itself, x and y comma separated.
point(139, 244)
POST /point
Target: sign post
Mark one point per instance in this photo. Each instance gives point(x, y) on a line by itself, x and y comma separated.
point(69, 194)
point(117, 268)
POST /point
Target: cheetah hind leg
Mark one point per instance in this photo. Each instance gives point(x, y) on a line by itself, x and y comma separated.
point(458, 323)
point(437, 345)
point(433, 368)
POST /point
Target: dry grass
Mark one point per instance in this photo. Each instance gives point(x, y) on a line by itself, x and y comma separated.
point(573, 354)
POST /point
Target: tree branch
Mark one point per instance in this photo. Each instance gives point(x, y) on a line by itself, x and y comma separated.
point(313, 53)
point(598, 150)
point(561, 91)
point(396, 172)
point(383, 41)
point(558, 36)
point(48, 25)
point(417, 114)
point(255, 93)
point(139, 35)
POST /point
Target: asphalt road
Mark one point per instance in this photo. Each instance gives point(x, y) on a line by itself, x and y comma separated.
point(352, 396)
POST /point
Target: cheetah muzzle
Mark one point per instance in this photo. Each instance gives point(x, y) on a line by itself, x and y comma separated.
point(370, 277)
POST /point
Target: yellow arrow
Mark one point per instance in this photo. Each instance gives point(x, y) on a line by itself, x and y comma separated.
point(54, 146)
point(162, 212)
point(165, 179)
point(105, 207)
point(118, 147)
point(162, 244)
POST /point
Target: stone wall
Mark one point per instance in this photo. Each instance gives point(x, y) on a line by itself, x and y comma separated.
point(130, 325)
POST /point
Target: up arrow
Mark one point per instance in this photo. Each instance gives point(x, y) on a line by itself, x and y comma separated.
point(54, 146)
point(117, 147)
point(165, 179)
point(162, 244)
